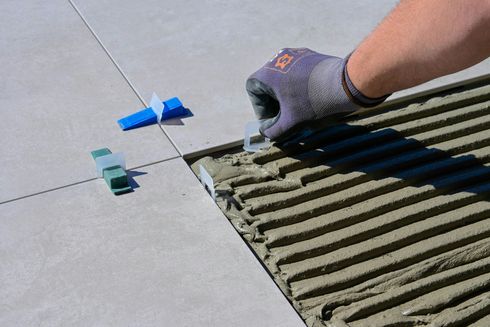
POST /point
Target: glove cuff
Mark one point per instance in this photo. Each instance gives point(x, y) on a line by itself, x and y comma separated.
point(354, 94)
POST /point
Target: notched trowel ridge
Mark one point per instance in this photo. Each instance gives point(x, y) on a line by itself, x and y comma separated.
point(381, 220)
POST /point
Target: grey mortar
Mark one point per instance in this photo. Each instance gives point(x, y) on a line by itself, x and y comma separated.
point(382, 220)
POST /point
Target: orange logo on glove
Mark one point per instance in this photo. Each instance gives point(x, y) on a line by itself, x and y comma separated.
point(283, 61)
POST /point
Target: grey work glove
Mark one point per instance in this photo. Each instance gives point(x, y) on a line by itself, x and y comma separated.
point(298, 86)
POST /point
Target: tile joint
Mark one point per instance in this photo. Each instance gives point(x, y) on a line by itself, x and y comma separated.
point(92, 31)
point(82, 182)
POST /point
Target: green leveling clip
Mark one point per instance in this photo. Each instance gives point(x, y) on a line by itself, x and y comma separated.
point(111, 166)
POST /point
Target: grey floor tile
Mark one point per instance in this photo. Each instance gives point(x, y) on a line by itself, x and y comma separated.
point(163, 255)
point(60, 97)
point(203, 51)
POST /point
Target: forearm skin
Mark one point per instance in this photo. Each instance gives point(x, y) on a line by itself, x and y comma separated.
point(421, 40)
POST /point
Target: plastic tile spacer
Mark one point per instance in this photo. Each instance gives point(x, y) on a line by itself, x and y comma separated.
point(157, 106)
point(207, 181)
point(139, 119)
point(117, 180)
point(254, 141)
point(157, 111)
point(112, 167)
point(173, 108)
point(109, 160)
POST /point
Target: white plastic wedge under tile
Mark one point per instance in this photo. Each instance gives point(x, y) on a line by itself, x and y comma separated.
point(163, 255)
point(203, 51)
point(61, 97)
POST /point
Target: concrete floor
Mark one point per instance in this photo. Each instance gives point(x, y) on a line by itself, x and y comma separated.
point(72, 253)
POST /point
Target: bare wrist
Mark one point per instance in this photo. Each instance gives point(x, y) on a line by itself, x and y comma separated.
point(364, 78)
point(357, 95)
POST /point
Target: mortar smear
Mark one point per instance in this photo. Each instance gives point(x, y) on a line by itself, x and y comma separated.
point(381, 220)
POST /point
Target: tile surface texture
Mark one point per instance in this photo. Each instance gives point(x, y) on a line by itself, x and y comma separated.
point(75, 255)
point(381, 220)
point(203, 51)
point(60, 98)
point(83, 257)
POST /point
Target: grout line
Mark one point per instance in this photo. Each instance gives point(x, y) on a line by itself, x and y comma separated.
point(121, 72)
point(107, 51)
point(84, 181)
point(174, 144)
point(153, 163)
point(49, 190)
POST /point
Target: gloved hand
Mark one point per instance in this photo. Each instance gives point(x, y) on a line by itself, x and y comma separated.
point(298, 86)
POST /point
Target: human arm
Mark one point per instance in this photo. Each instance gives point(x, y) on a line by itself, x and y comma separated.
point(419, 40)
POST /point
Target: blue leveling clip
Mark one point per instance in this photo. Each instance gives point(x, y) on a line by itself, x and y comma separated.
point(157, 111)
point(139, 119)
point(173, 108)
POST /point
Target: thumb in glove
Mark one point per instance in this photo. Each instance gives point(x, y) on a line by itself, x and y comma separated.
point(299, 86)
